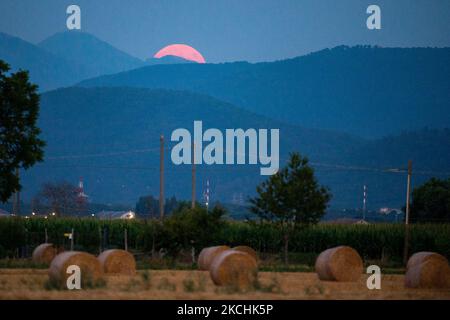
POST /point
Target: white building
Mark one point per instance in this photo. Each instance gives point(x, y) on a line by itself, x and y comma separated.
point(116, 215)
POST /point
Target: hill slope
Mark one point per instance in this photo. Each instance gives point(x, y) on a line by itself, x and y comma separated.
point(118, 123)
point(361, 90)
point(97, 56)
point(110, 137)
point(46, 69)
point(65, 58)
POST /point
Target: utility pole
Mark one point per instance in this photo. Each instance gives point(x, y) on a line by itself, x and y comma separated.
point(161, 178)
point(125, 239)
point(408, 191)
point(193, 176)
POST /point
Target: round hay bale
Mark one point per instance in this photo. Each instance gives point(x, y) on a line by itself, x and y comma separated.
point(91, 270)
point(430, 274)
point(207, 256)
point(44, 253)
point(420, 257)
point(247, 250)
point(117, 262)
point(234, 269)
point(341, 264)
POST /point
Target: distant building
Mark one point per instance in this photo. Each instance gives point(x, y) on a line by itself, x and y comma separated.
point(345, 221)
point(116, 215)
point(387, 211)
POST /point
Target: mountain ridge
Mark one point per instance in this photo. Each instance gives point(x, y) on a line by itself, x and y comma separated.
point(46, 69)
point(85, 49)
point(110, 137)
point(343, 89)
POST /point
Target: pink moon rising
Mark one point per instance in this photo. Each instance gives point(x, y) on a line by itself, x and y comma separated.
point(181, 50)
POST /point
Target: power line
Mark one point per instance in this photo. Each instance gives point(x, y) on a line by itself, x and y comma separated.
point(109, 154)
point(332, 166)
point(98, 167)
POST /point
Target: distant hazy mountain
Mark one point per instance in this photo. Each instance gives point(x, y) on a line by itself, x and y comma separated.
point(97, 56)
point(166, 60)
point(368, 91)
point(110, 137)
point(429, 148)
point(46, 69)
point(80, 121)
point(65, 58)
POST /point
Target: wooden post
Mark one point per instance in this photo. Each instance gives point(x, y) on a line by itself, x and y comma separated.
point(153, 241)
point(100, 240)
point(408, 191)
point(71, 240)
point(125, 236)
point(46, 236)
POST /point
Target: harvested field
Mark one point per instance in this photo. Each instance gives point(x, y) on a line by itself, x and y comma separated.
point(167, 284)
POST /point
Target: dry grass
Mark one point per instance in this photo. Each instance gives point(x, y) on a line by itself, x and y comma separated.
point(164, 284)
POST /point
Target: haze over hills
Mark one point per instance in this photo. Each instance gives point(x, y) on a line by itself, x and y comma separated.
point(46, 69)
point(110, 137)
point(430, 148)
point(83, 121)
point(95, 55)
point(69, 57)
point(66, 58)
point(107, 129)
point(368, 91)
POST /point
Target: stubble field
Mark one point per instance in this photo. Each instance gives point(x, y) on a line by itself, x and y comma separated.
point(177, 284)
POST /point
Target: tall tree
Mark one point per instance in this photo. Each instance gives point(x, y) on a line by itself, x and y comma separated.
point(20, 145)
point(431, 201)
point(291, 197)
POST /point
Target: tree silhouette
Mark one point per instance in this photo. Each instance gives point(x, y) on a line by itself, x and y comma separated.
point(291, 197)
point(431, 201)
point(20, 146)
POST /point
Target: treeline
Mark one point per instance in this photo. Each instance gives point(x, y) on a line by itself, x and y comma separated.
point(182, 232)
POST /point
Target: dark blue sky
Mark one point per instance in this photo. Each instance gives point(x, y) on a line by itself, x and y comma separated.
point(230, 30)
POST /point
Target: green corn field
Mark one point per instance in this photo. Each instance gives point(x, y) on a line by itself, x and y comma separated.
point(18, 236)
